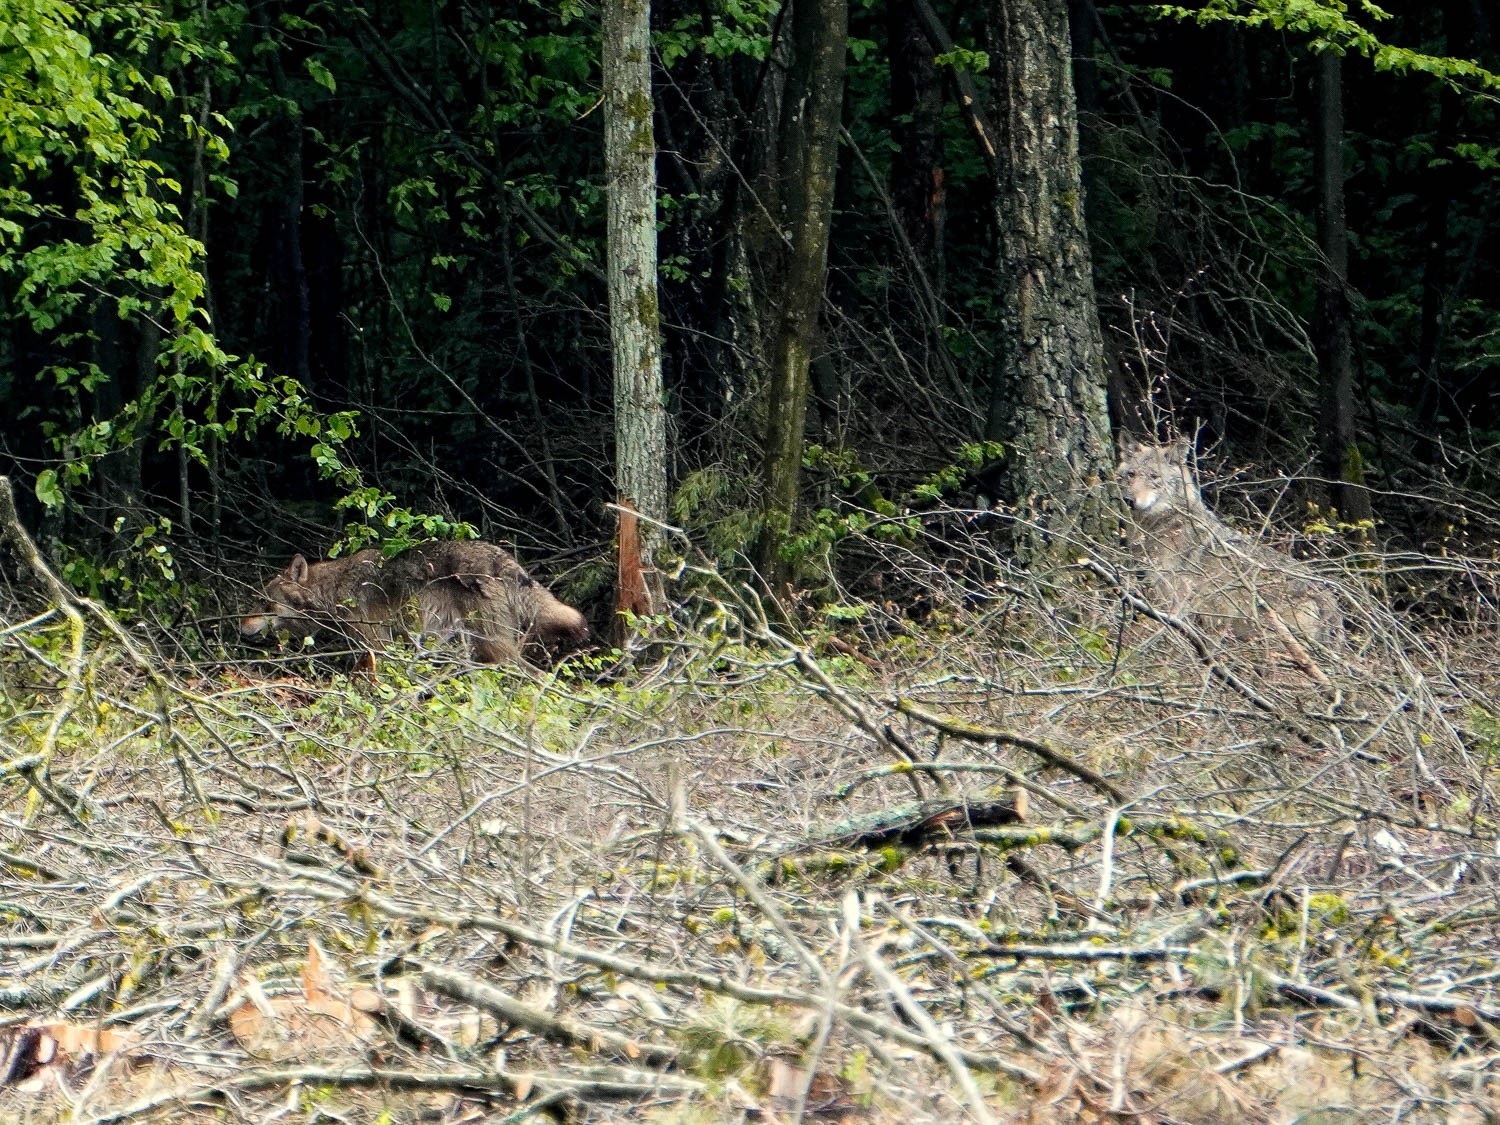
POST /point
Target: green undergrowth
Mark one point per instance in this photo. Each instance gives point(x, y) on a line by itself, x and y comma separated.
point(426, 706)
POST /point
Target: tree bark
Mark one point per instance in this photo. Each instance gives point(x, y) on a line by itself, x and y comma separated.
point(635, 318)
point(1047, 402)
point(986, 136)
point(1436, 399)
point(1442, 402)
point(289, 319)
point(1342, 461)
point(811, 116)
point(917, 163)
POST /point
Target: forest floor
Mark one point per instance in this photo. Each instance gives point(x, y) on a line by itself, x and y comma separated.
point(1037, 857)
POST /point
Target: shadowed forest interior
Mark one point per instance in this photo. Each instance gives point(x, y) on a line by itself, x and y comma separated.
point(400, 237)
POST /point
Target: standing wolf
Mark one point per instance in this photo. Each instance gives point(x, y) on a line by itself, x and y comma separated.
point(1204, 568)
point(464, 587)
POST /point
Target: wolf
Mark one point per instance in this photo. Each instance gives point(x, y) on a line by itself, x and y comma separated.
point(460, 586)
point(1202, 567)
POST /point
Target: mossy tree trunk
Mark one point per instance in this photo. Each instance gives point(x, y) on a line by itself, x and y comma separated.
point(917, 187)
point(1332, 340)
point(635, 319)
point(1047, 402)
point(811, 115)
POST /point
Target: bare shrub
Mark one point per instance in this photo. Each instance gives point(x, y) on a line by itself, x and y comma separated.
point(1049, 849)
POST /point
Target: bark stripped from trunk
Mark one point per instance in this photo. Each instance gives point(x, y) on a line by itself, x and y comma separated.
point(1047, 403)
point(635, 328)
point(1342, 461)
point(631, 593)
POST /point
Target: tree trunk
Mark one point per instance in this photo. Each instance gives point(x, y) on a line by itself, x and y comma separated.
point(811, 116)
point(1047, 403)
point(1441, 405)
point(1436, 400)
point(1342, 462)
point(290, 318)
point(917, 163)
point(635, 319)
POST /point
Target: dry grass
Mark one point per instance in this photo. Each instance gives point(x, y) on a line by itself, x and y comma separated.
point(739, 879)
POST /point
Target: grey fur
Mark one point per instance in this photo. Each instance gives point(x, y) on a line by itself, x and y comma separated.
point(1202, 567)
point(459, 586)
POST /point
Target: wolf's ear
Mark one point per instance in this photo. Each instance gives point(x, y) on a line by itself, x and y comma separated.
point(1129, 444)
point(296, 570)
point(1181, 450)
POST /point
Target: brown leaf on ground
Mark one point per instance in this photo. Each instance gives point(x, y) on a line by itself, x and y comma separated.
point(319, 1022)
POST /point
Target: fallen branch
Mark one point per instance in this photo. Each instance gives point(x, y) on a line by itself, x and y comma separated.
point(1091, 952)
point(1196, 642)
point(600, 1085)
point(557, 1029)
point(974, 732)
point(938, 1043)
point(1462, 1010)
point(926, 822)
point(688, 978)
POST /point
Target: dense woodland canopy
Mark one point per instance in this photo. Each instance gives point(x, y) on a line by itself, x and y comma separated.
point(273, 269)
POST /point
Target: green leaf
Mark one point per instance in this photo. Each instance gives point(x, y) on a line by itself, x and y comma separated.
point(320, 75)
point(47, 489)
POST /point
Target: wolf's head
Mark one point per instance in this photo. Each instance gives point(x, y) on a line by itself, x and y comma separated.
point(1157, 478)
point(292, 599)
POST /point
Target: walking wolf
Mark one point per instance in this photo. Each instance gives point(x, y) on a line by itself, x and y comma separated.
point(1202, 567)
point(465, 587)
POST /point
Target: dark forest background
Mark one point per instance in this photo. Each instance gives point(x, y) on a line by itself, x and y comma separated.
point(401, 216)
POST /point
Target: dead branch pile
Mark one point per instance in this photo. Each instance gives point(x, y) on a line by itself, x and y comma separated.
point(1049, 855)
